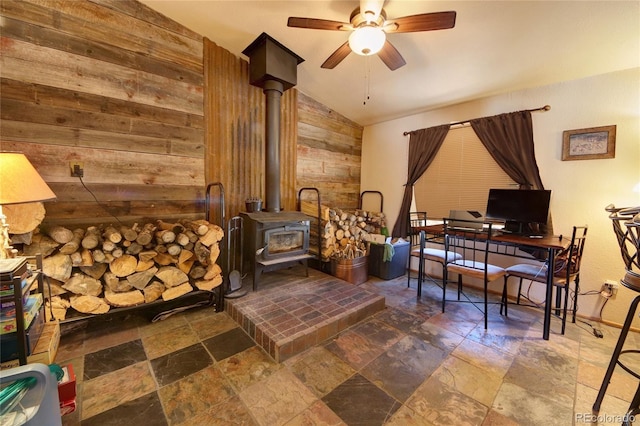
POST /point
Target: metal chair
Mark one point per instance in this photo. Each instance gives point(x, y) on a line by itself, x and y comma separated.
point(626, 226)
point(565, 271)
point(472, 248)
point(416, 220)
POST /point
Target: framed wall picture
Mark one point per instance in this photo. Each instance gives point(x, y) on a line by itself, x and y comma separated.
point(589, 144)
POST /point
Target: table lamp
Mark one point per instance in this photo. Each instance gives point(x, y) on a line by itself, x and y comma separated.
point(19, 183)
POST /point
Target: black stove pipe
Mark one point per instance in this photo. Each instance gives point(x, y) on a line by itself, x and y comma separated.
point(273, 91)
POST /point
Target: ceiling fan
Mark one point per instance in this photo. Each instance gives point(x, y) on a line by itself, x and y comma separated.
point(369, 26)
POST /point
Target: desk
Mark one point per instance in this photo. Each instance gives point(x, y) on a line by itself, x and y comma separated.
point(552, 244)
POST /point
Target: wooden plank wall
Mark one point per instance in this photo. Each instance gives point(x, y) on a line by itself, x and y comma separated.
point(155, 113)
point(329, 154)
point(116, 86)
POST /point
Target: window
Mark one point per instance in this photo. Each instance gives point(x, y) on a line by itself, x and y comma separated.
point(460, 176)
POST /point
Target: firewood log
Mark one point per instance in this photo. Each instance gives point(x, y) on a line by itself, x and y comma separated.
point(60, 234)
point(112, 234)
point(76, 258)
point(193, 237)
point(89, 305)
point(124, 299)
point(83, 284)
point(185, 255)
point(164, 259)
point(212, 271)
point(166, 236)
point(144, 237)
point(129, 234)
point(202, 253)
point(177, 291)
point(87, 257)
point(140, 280)
point(186, 266)
point(74, 244)
point(95, 271)
point(123, 265)
point(114, 283)
point(174, 249)
point(134, 249)
point(147, 255)
point(197, 271)
point(40, 244)
point(200, 227)
point(143, 265)
point(153, 291)
point(213, 235)
point(117, 252)
point(91, 238)
point(182, 239)
point(108, 246)
point(209, 285)
point(57, 267)
point(176, 228)
point(98, 256)
point(171, 276)
point(214, 252)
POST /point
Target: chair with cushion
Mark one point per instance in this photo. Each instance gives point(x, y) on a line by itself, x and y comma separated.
point(472, 258)
point(440, 256)
point(566, 270)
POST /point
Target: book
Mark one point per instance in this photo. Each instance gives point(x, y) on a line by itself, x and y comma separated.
point(8, 315)
point(9, 341)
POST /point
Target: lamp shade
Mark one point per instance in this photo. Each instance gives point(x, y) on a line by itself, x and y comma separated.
point(367, 40)
point(20, 182)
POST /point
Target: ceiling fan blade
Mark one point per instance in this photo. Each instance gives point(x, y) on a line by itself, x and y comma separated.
point(422, 22)
point(391, 57)
point(319, 24)
point(337, 56)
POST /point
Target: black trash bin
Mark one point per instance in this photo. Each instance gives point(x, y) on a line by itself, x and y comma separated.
point(392, 269)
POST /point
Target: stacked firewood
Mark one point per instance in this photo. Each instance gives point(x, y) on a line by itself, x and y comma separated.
point(97, 268)
point(344, 234)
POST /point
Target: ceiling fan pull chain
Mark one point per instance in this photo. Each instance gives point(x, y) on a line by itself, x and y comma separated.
point(367, 79)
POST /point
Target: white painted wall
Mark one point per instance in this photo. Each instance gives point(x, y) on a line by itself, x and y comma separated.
point(580, 189)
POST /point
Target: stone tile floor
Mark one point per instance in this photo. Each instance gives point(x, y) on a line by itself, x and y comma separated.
point(409, 364)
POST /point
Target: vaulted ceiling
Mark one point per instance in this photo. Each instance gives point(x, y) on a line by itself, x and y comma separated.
point(495, 47)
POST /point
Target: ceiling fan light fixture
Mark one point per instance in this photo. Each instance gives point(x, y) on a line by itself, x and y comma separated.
point(367, 40)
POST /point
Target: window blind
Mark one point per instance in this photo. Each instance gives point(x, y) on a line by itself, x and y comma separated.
point(460, 176)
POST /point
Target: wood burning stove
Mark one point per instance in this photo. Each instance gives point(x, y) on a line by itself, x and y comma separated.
point(274, 240)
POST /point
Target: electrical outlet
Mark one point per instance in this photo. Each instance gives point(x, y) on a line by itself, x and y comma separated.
point(612, 286)
point(77, 168)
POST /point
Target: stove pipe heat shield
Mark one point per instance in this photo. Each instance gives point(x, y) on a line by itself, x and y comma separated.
point(272, 67)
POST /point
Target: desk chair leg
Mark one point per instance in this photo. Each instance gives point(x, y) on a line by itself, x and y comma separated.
point(459, 285)
point(575, 298)
point(445, 278)
point(519, 292)
point(504, 303)
point(616, 354)
point(558, 301)
point(486, 304)
point(566, 305)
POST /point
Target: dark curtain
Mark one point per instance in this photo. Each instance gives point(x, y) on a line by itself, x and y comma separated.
point(423, 146)
point(509, 140)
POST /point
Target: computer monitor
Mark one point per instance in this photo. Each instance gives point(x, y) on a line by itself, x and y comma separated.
point(519, 208)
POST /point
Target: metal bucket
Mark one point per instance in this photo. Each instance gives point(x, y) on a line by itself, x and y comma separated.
point(354, 271)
